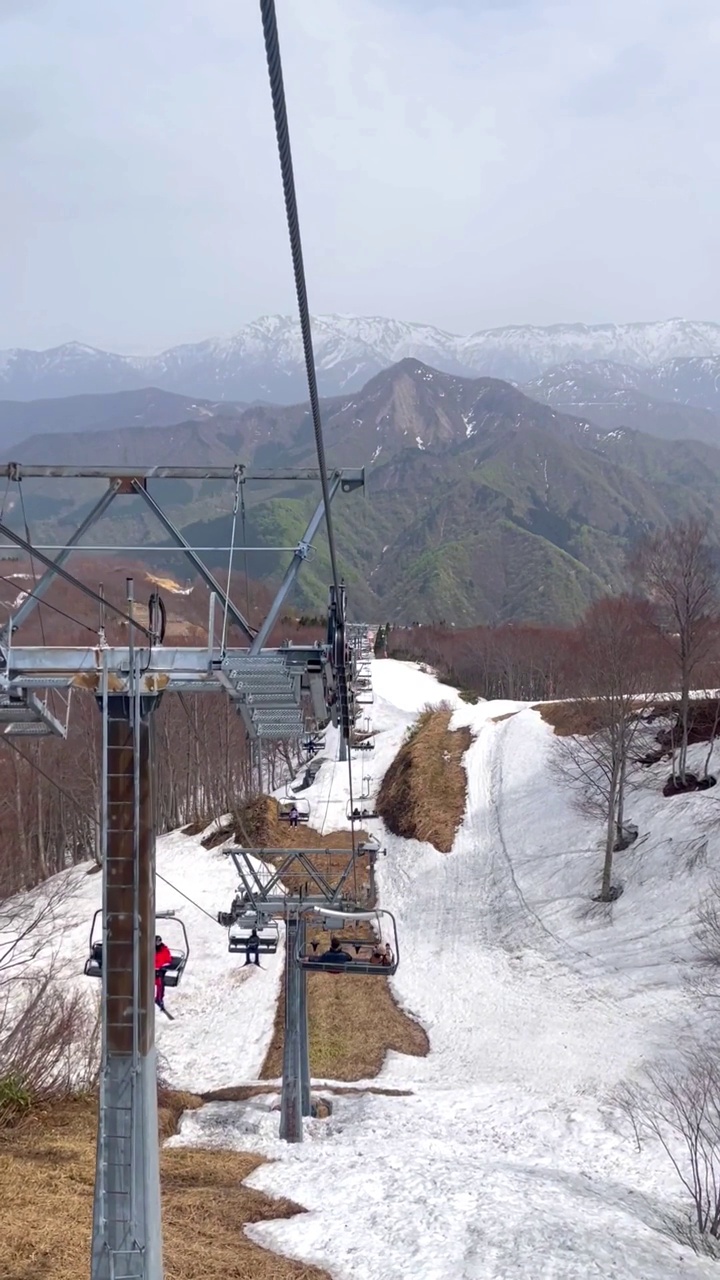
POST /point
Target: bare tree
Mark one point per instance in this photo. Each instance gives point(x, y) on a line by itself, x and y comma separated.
point(679, 1106)
point(707, 934)
point(679, 573)
point(612, 671)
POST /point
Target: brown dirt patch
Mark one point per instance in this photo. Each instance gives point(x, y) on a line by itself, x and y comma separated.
point(46, 1183)
point(581, 718)
point(242, 1092)
point(569, 719)
point(423, 793)
point(352, 1022)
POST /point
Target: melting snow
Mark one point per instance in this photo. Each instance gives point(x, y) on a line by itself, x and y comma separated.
point(506, 1162)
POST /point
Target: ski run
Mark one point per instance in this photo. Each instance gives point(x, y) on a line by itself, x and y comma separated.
point(507, 1159)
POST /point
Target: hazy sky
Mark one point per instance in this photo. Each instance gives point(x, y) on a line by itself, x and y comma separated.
point(468, 165)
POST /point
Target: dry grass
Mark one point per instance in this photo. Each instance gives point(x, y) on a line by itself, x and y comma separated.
point(352, 1022)
point(46, 1183)
point(571, 718)
point(424, 791)
point(587, 716)
point(243, 1092)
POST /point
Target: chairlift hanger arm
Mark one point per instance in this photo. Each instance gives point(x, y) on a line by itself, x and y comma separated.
point(293, 568)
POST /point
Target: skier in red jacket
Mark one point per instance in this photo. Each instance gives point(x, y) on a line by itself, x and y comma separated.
point(163, 960)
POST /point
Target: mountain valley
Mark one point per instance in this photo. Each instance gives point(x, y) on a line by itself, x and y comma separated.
point(483, 505)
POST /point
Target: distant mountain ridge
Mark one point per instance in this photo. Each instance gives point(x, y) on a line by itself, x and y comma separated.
point(117, 411)
point(679, 400)
point(483, 504)
point(264, 360)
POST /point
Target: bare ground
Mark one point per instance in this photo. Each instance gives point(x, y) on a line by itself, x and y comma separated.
point(424, 791)
point(46, 1182)
point(352, 1021)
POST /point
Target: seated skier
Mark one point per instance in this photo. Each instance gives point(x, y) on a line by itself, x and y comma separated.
point(163, 960)
point(252, 948)
point(336, 953)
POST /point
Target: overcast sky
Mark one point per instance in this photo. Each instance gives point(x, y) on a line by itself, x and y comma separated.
point(467, 165)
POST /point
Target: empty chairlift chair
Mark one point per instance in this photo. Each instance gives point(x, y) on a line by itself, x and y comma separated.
point(362, 943)
point(179, 952)
point(299, 806)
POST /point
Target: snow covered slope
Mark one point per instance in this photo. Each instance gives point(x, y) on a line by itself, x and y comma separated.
point(223, 1011)
point(506, 1161)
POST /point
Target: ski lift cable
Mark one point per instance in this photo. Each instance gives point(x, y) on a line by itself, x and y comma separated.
point(54, 607)
point(245, 555)
point(91, 818)
point(7, 742)
point(29, 550)
point(186, 896)
point(277, 91)
point(32, 562)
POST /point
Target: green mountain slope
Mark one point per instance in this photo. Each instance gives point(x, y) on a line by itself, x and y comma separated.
point(482, 504)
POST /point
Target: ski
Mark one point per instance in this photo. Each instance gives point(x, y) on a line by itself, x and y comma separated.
point(167, 1015)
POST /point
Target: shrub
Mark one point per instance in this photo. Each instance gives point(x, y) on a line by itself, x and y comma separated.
point(15, 1100)
point(49, 1045)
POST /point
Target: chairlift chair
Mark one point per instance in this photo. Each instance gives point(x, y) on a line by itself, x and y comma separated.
point(360, 809)
point(239, 931)
point(285, 808)
point(180, 952)
point(364, 952)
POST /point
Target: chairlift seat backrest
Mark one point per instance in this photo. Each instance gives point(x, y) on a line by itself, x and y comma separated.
point(286, 807)
point(179, 955)
point(239, 933)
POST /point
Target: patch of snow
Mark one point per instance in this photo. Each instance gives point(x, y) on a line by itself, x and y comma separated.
point(507, 1160)
point(223, 1011)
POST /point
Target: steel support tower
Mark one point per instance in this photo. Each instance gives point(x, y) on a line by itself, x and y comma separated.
point(268, 687)
point(127, 1240)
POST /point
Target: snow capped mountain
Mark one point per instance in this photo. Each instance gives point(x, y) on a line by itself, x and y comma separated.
point(530, 350)
point(677, 399)
point(264, 359)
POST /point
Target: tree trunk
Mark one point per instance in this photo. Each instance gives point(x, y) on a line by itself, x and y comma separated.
point(684, 718)
point(606, 887)
point(713, 735)
point(620, 809)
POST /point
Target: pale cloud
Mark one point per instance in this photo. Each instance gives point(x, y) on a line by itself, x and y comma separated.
point(467, 165)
